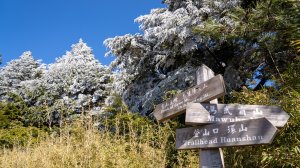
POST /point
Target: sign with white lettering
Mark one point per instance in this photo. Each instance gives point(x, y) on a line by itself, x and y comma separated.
point(196, 113)
point(248, 132)
point(203, 92)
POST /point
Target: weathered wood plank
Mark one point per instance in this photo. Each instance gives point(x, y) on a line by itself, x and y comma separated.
point(203, 92)
point(248, 132)
point(208, 158)
point(221, 113)
point(211, 158)
point(196, 114)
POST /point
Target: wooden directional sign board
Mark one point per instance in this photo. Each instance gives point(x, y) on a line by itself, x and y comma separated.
point(223, 113)
point(203, 92)
point(248, 132)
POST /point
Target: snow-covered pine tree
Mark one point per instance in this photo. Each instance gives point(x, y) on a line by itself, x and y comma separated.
point(188, 33)
point(18, 71)
point(76, 78)
point(166, 55)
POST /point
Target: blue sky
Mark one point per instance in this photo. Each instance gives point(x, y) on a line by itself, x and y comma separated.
point(48, 28)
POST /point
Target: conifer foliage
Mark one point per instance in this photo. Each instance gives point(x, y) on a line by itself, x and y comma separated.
point(18, 71)
point(76, 76)
point(76, 81)
point(245, 40)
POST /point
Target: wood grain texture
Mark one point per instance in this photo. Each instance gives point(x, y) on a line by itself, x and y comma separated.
point(222, 113)
point(203, 92)
point(211, 158)
point(249, 132)
point(193, 115)
point(208, 158)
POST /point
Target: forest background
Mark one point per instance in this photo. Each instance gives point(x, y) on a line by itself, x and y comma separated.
point(78, 112)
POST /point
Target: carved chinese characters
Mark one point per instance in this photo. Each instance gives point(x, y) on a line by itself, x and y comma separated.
point(206, 91)
point(219, 113)
point(249, 132)
point(219, 125)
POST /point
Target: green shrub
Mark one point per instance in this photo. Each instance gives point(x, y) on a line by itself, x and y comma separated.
point(11, 114)
point(285, 149)
point(161, 136)
point(21, 136)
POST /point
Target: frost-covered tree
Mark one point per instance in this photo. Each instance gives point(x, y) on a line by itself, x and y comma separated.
point(18, 71)
point(189, 33)
point(77, 78)
point(168, 38)
point(166, 55)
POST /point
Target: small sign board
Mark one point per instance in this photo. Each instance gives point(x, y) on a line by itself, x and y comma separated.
point(248, 132)
point(197, 113)
point(206, 91)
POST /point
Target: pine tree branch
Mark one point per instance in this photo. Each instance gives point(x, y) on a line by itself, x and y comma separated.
point(214, 56)
point(271, 56)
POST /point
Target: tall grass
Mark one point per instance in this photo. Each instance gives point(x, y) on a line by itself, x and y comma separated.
point(126, 143)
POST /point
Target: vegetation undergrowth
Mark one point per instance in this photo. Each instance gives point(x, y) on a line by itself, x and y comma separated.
point(285, 148)
point(121, 139)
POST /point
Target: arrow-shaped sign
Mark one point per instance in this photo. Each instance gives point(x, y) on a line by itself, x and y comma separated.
point(197, 113)
point(248, 132)
point(203, 92)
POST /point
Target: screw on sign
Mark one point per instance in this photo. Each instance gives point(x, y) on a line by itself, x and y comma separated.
point(202, 113)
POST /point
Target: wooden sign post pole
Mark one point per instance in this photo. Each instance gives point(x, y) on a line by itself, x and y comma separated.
point(209, 158)
point(218, 125)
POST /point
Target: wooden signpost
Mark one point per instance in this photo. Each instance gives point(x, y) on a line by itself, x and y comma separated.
point(209, 157)
point(219, 125)
point(197, 113)
point(203, 92)
point(248, 132)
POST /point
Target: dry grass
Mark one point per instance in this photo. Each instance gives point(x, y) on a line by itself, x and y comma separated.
point(84, 146)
